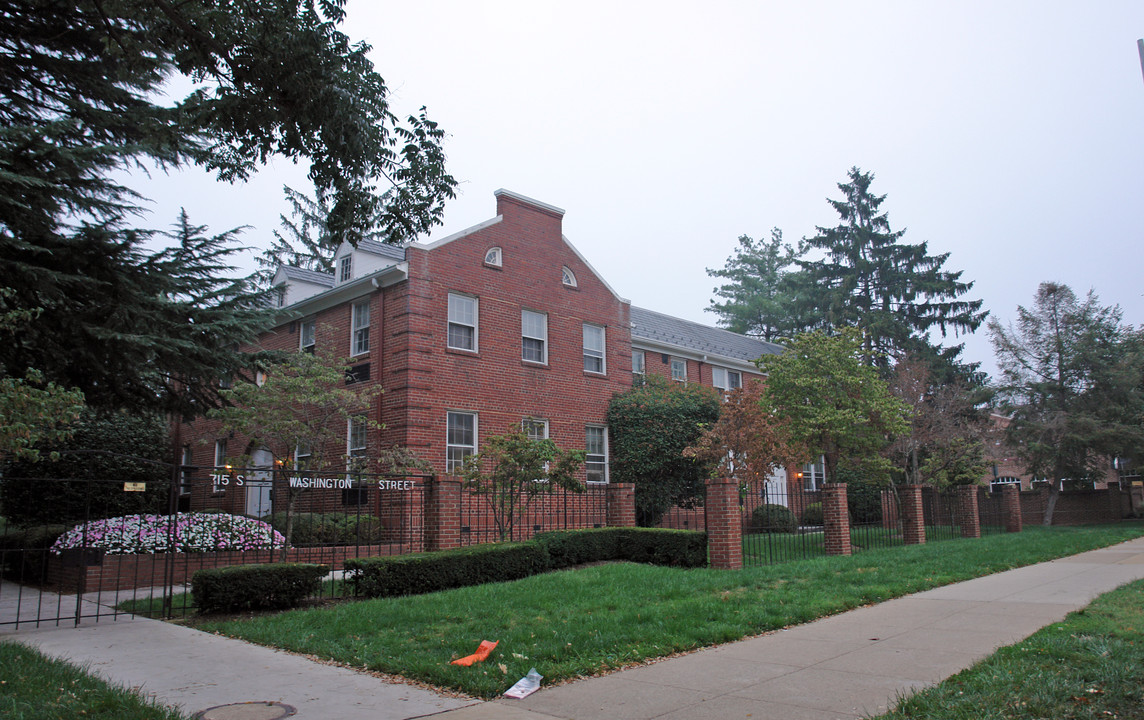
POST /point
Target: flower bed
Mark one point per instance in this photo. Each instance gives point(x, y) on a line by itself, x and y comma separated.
point(193, 532)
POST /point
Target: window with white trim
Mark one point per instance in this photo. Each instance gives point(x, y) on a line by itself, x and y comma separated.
point(460, 439)
point(462, 331)
point(594, 344)
point(360, 328)
point(535, 429)
point(567, 276)
point(814, 474)
point(639, 362)
point(357, 437)
point(679, 370)
point(220, 467)
point(307, 336)
point(346, 268)
point(493, 257)
point(534, 336)
point(302, 454)
point(596, 453)
point(187, 459)
point(725, 379)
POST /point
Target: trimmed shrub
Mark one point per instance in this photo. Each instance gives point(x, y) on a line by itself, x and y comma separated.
point(273, 586)
point(812, 514)
point(326, 529)
point(773, 519)
point(443, 570)
point(655, 546)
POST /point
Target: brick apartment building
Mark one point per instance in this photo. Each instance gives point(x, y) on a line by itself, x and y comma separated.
point(500, 324)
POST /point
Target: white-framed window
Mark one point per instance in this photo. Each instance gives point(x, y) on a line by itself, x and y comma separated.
point(639, 362)
point(567, 276)
point(594, 344)
point(280, 297)
point(302, 454)
point(307, 336)
point(534, 336)
point(725, 379)
point(996, 484)
point(186, 459)
point(534, 428)
point(360, 323)
point(814, 474)
point(596, 453)
point(679, 369)
point(357, 434)
point(346, 268)
point(494, 257)
point(462, 331)
point(460, 439)
point(219, 464)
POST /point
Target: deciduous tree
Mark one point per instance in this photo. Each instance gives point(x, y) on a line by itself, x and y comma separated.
point(746, 443)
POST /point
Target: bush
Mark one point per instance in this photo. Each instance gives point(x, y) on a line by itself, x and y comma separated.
point(90, 485)
point(273, 586)
point(24, 553)
point(443, 570)
point(773, 519)
point(864, 499)
point(675, 548)
point(194, 532)
point(326, 529)
point(812, 514)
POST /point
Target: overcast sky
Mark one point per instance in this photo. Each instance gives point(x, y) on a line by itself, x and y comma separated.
point(1008, 134)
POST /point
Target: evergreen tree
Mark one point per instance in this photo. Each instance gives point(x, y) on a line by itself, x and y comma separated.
point(894, 292)
point(80, 97)
point(759, 298)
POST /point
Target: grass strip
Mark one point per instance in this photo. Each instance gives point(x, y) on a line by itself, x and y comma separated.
point(35, 687)
point(1090, 666)
point(587, 621)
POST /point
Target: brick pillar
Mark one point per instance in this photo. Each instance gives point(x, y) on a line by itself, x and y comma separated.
point(621, 505)
point(442, 514)
point(967, 515)
point(913, 516)
point(836, 515)
point(1012, 497)
point(724, 524)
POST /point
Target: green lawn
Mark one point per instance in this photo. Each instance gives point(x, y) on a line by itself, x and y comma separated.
point(1088, 667)
point(581, 622)
point(33, 687)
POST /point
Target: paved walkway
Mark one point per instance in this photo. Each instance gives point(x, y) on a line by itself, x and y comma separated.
point(845, 666)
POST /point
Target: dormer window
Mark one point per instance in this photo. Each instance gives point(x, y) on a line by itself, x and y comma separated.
point(493, 257)
point(568, 277)
point(346, 268)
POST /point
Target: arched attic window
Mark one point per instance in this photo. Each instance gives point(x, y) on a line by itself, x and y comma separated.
point(567, 277)
point(493, 257)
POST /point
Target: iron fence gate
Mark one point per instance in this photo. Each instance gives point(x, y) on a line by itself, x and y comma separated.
point(83, 549)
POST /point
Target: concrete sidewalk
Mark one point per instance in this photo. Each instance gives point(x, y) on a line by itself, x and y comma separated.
point(845, 666)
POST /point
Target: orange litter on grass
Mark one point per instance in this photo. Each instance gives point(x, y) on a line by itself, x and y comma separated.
point(482, 652)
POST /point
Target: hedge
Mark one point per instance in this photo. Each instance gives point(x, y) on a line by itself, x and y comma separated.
point(500, 562)
point(272, 586)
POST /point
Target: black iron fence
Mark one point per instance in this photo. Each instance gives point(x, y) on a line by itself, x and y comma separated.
point(494, 516)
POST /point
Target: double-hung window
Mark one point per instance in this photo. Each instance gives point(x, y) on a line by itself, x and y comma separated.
point(639, 362)
point(596, 453)
point(534, 336)
point(360, 324)
point(593, 348)
point(535, 429)
point(679, 369)
point(306, 336)
point(346, 268)
point(462, 333)
point(725, 379)
point(220, 468)
point(460, 440)
point(357, 435)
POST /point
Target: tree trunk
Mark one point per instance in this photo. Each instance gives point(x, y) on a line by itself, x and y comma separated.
point(1051, 505)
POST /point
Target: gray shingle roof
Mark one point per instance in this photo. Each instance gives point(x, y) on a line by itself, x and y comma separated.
point(396, 252)
point(313, 277)
point(665, 329)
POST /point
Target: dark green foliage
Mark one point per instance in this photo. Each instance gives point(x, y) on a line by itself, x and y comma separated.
point(24, 553)
point(760, 297)
point(83, 484)
point(650, 426)
point(327, 529)
point(273, 586)
point(812, 514)
point(654, 546)
point(430, 572)
point(773, 519)
point(84, 86)
point(863, 498)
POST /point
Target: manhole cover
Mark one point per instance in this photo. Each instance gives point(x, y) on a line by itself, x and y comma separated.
point(247, 711)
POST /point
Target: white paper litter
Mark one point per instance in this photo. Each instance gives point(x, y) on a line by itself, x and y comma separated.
point(527, 685)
